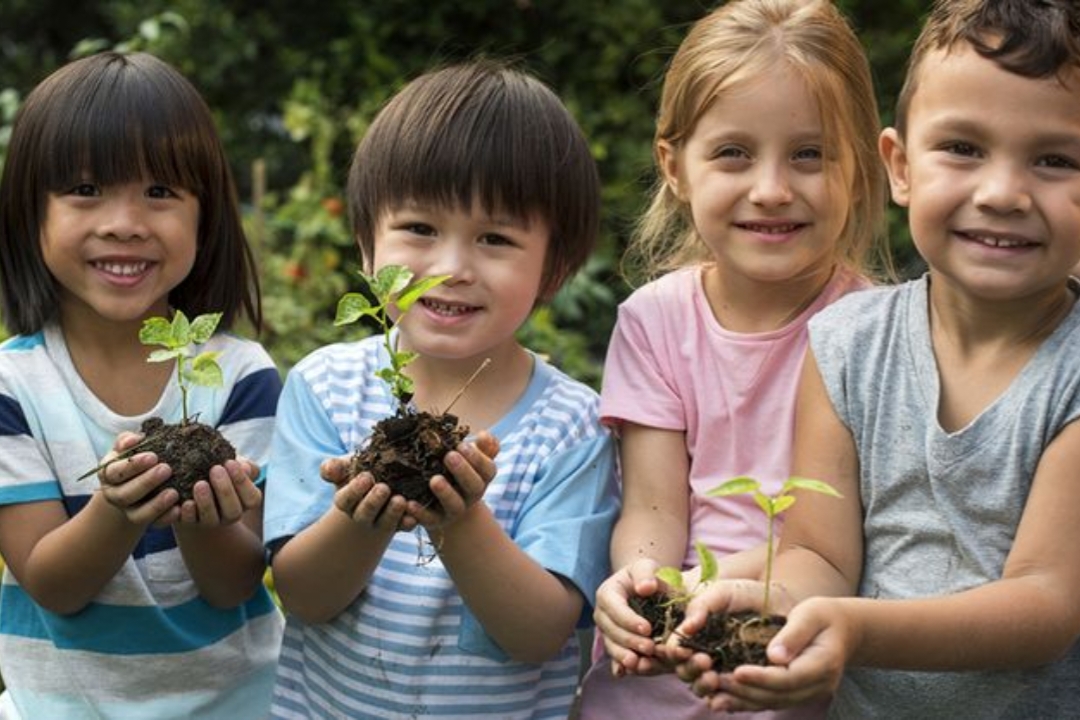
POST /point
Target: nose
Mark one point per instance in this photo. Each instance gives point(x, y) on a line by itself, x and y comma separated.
point(453, 257)
point(771, 184)
point(123, 217)
point(1002, 188)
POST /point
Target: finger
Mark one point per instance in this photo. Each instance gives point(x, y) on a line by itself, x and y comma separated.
point(243, 480)
point(223, 480)
point(471, 483)
point(335, 470)
point(428, 516)
point(452, 502)
point(372, 504)
point(391, 514)
point(117, 471)
point(486, 443)
point(189, 512)
point(349, 495)
point(162, 509)
point(204, 494)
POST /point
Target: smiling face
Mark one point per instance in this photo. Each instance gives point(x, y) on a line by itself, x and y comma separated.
point(990, 174)
point(116, 251)
point(496, 264)
point(764, 197)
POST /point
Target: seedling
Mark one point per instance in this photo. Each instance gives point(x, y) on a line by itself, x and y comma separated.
point(673, 578)
point(392, 286)
point(773, 506)
point(665, 610)
point(190, 448)
point(177, 339)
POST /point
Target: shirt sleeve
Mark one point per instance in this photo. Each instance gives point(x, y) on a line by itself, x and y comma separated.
point(638, 386)
point(565, 526)
point(296, 494)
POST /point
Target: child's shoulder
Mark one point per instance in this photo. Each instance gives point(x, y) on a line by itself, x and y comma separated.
point(676, 286)
point(553, 399)
point(347, 358)
point(868, 306)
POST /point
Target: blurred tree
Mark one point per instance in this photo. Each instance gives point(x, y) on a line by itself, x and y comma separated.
point(294, 86)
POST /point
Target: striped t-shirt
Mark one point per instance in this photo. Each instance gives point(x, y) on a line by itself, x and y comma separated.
point(147, 646)
point(407, 646)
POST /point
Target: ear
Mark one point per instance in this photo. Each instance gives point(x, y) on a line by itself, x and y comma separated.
point(667, 161)
point(894, 155)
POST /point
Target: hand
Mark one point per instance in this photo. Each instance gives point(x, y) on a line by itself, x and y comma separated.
point(628, 639)
point(225, 496)
point(807, 655)
point(369, 503)
point(128, 483)
point(473, 467)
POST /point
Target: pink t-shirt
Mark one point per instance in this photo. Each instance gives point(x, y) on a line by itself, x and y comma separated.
point(671, 365)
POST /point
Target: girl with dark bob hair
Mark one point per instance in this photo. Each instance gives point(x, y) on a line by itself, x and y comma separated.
point(119, 599)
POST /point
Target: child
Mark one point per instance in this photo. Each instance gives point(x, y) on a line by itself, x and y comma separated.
point(116, 204)
point(943, 409)
point(769, 198)
point(476, 171)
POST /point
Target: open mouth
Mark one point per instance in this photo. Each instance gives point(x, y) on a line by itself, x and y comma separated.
point(997, 242)
point(122, 269)
point(448, 309)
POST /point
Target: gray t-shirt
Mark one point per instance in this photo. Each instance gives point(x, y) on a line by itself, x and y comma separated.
point(940, 509)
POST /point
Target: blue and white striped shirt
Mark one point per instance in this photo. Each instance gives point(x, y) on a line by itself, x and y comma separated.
point(147, 646)
point(408, 646)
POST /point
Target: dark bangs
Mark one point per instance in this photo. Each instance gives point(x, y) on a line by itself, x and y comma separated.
point(128, 122)
point(113, 118)
point(480, 133)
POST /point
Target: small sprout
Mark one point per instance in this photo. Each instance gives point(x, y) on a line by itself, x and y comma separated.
point(672, 576)
point(177, 339)
point(391, 285)
point(772, 506)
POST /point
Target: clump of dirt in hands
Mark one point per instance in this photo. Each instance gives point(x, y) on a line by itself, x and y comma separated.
point(663, 614)
point(407, 449)
point(735, 639)
point(190, 449)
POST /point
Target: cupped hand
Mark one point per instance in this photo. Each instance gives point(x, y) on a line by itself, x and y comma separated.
point(627, 637)
point(129, 484)
point(473, 467)
point(373, 505)
point(224, 497)
point(807, 662)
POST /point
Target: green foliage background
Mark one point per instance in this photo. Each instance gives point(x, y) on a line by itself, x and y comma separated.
point(294, 85)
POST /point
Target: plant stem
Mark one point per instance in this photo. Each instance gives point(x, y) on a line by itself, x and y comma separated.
point(487, 361)
point(768, 567)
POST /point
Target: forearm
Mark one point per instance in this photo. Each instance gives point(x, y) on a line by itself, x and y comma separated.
point(323, 569)
point(227, 562)
point(1016, 623)
point(71, 564)
point(527, 610)
point(651, 533)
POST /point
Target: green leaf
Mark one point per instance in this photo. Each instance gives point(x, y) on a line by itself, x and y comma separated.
point(167, 355)
point(810, 484)
point(352, 307)
point(205, 371)
point(414, 292)
point(672, 578)
point(389, 281)
point(782, 503)
point(709, 569)
point(156, 331)
point(202, 328)
point(766, 503)
point(736, 486)
point(404, 357)
point(181, 329)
